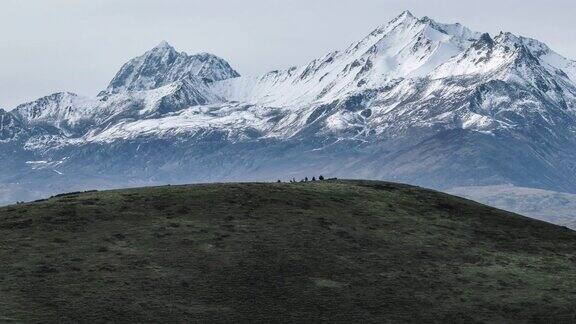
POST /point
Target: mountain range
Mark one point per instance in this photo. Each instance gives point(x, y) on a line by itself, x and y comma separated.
point(416, 101)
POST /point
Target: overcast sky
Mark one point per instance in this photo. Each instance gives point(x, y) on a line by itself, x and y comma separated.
point(78, 45)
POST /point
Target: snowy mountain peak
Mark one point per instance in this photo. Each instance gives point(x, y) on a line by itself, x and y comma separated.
point(163, 44)
point(555, 62)
point(485, 39)
point(509, 39)
point(163, 65)
point(60, 110)
point(407, 21)
point(406, 13)
point(406, 47)
point(163, 49)
point(405, 16)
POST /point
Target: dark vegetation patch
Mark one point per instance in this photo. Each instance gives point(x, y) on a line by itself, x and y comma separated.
point(325, 251)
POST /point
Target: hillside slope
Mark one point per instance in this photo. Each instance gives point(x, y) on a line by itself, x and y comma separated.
point(332, 251)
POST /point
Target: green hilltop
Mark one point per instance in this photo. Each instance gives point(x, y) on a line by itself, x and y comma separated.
point(324, 251)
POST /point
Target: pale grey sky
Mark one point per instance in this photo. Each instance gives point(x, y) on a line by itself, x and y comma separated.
point(77, 45)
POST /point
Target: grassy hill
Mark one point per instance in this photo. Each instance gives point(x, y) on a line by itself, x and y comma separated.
point(332, 251)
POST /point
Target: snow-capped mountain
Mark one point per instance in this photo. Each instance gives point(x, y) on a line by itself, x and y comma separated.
point(415, 101)
point(163, 65)
point(406, 47)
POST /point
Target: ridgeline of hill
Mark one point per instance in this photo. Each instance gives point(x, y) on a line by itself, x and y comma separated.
point(332, 251)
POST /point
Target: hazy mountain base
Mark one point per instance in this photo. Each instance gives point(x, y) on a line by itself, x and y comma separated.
point(435, 162)
point(454, 158)
point(554, 207)
point(346, 251)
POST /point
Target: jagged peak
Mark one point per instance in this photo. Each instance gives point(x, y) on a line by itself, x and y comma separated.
point(406, 14)
point(65, 93)
point(205, 56)
point(163, 44)
point(512, 41)
point(533, 46)
point(161, 49)
point(536, 47)
point(458, 31)
point(55, 96)
point(61, 95)
point(51, 97)
point(485, 37)
point(508, 38)
point(163, 65)
point(408, 21)
point(428, 20)
point(484, 41)
point(49, 105)
point(405, 17)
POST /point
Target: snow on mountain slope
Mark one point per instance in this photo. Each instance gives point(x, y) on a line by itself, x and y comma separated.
point(405, 47)
point(163, 65)
point(236, 119)
point(508, 58)
point(557, 64)
point(511, 86)
point(71, 115)
point(417, 72)
point(172, 97)
point(484, 56)
point(63, 110)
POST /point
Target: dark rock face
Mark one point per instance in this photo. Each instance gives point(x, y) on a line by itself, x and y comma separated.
point(10, 127)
